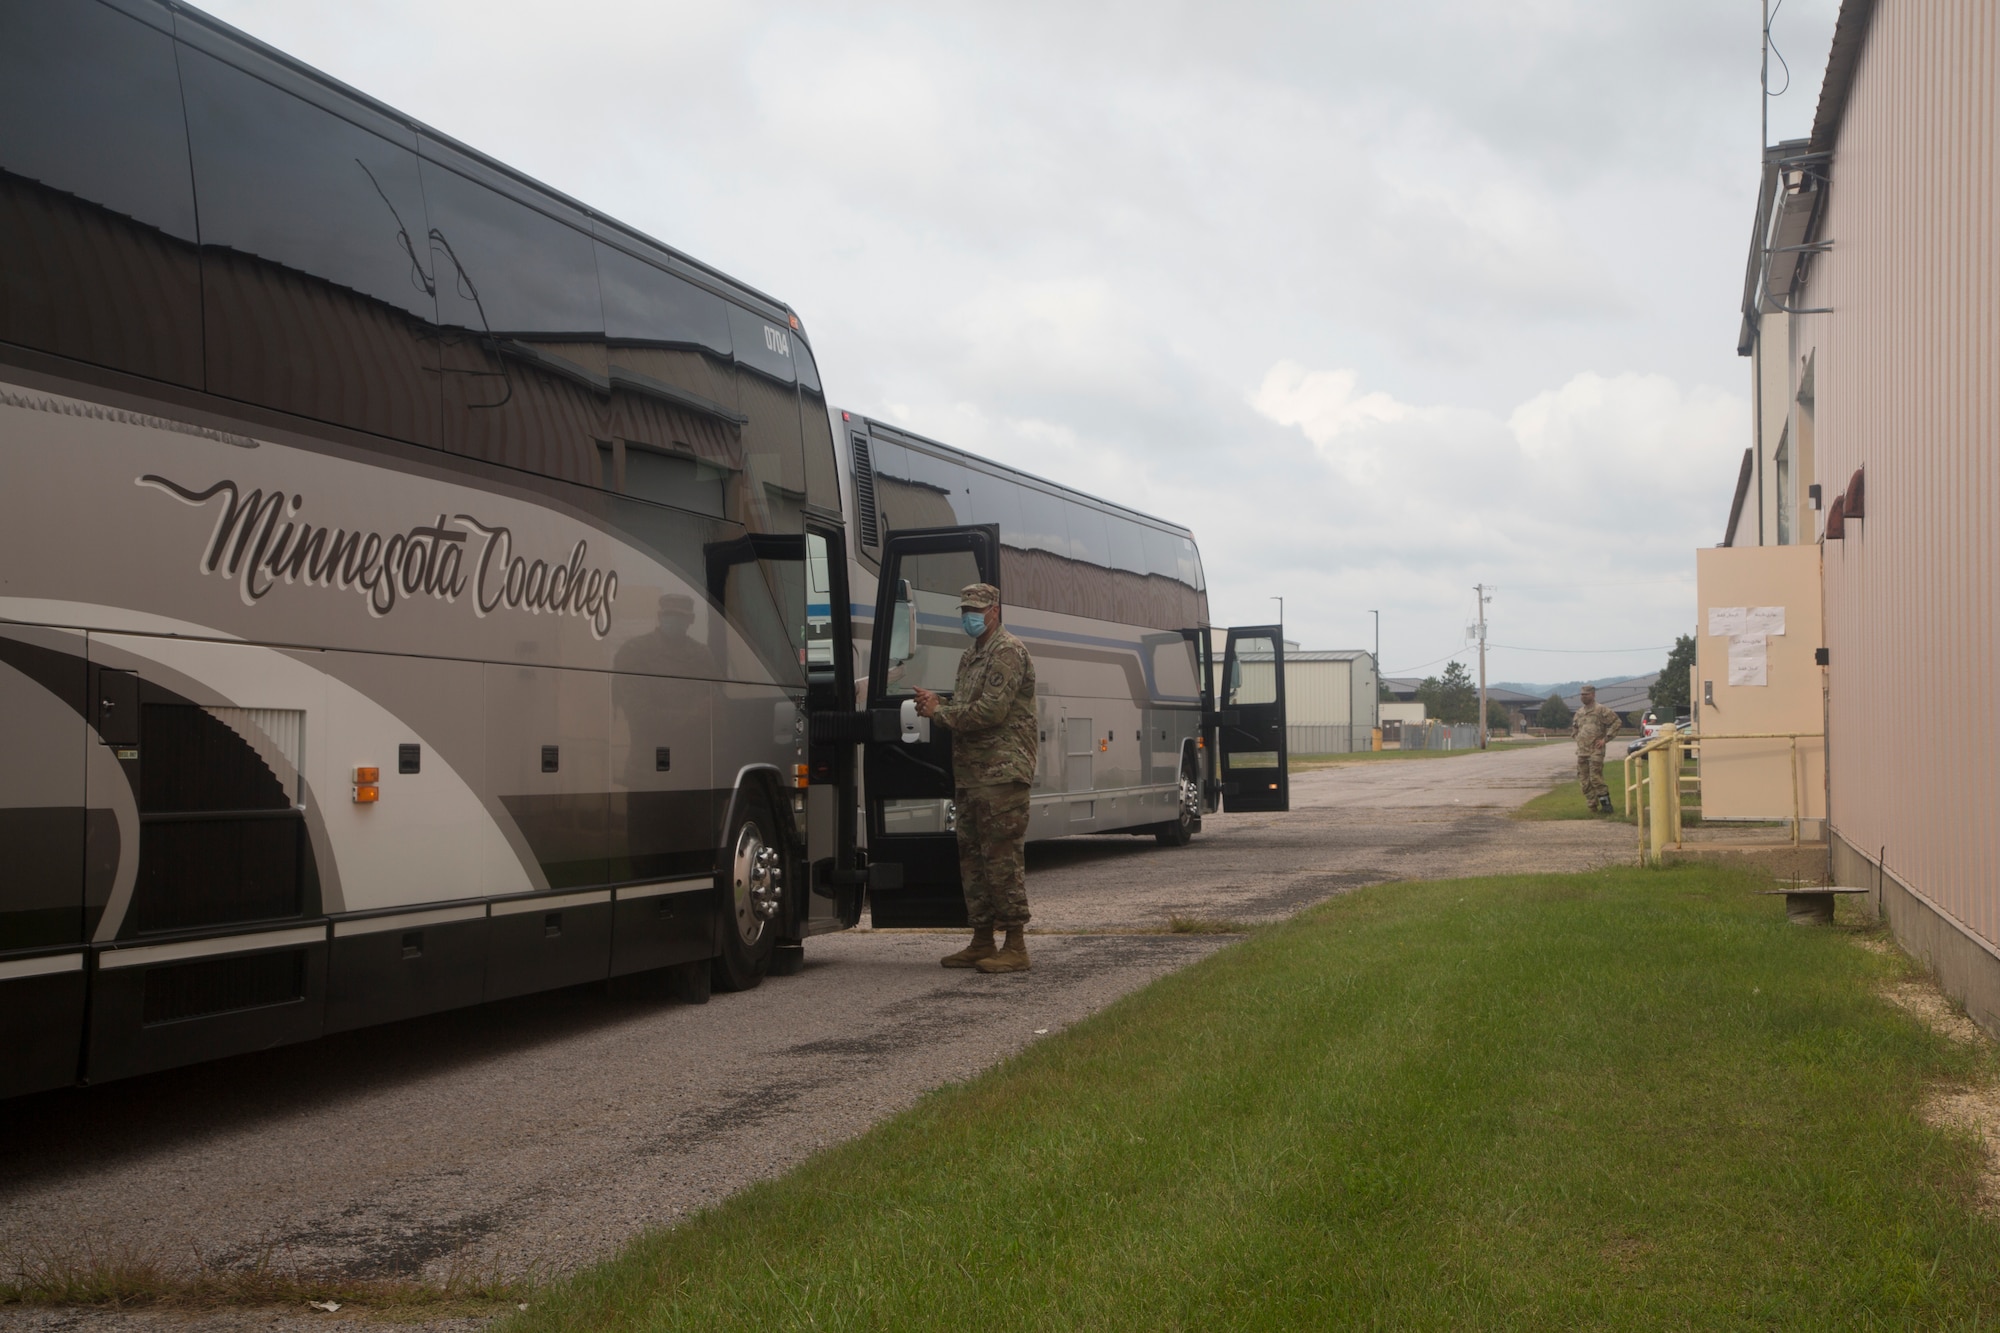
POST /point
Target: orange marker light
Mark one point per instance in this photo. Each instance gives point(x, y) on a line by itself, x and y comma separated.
point(801, 775)
point(366, 788)
point(367, 775)
point(1102, 746)
point(367, 795)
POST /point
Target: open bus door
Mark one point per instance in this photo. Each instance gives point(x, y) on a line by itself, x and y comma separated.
point(806, 579)
point(1249, 724)
point(913, 875)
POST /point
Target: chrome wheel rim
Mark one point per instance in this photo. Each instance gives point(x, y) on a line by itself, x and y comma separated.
point(757, 879)
point(1190, 802)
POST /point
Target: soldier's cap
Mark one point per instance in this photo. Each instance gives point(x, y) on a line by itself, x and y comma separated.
point(978, 596)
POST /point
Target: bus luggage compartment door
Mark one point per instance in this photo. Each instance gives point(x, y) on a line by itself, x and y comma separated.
point(918, 640)
point(45, 823)
point(1250, 726)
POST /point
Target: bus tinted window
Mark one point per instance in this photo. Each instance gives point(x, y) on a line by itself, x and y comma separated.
point(995, 500)
point(945, 480)
point(316, 298)
point(97, 223)
point(674, 479)
point(1087, 540)
point(763, 345)
point(907, 498)
point(506, 269)
point(822, 472)
point(645, 304)
point(1044, 527)
point(522, 354)
point(1163, 554)
point(1128, 545)
point(1190, 564)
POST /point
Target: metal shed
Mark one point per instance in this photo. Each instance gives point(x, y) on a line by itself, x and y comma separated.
point(1330, 700)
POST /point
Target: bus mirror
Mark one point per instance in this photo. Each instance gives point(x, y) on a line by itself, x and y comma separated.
point(903, 628)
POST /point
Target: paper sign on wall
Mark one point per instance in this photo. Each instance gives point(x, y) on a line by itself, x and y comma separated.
point(1747, 659)
point(1764, 620)
point(1726, 621)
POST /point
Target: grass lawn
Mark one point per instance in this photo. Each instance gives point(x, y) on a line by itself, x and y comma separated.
point(1630, 1099)
point(1566, 800)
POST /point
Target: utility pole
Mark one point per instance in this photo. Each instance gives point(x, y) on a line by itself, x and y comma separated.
point(1484, 598)
point(1375, 704)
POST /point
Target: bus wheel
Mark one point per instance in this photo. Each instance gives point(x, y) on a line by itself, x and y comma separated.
point(753, 892)
point(1187, 815)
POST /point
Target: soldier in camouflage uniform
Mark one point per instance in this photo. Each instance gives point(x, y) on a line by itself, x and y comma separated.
point(992, 721)
point(1593, 726)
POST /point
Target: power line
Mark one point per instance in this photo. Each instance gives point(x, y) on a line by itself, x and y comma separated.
point(1403, 671)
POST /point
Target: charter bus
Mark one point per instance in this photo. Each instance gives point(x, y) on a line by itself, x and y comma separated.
point(418, 588)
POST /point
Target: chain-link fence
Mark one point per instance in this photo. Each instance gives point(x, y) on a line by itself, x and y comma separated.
point(1327, 738)
point(1441, 736)
point(1346, 738)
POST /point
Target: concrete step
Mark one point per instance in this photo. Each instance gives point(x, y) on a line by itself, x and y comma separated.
point(1805, 861)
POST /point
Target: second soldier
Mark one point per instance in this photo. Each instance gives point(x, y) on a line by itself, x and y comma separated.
point(991, 715)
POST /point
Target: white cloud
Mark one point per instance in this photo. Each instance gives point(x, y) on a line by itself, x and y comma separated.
point(1322, 403)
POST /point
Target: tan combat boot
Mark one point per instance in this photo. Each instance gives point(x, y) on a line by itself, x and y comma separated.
point(975, 953)
point(1013, 956)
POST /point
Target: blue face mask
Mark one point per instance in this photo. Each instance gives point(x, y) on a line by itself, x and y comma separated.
point(974, 622)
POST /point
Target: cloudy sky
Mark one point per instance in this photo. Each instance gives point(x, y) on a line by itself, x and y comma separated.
point(1383, 300)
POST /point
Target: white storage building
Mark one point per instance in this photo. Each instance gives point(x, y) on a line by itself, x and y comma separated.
point(1330, 700)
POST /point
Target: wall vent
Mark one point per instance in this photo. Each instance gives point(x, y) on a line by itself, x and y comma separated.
point(864, 493)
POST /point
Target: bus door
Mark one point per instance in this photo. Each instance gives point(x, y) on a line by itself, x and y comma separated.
point(1250, 722)
point(829, 656)
point(912, 824)
point(806, 574)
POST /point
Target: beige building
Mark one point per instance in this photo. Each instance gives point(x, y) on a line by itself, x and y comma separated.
point(1871, 314)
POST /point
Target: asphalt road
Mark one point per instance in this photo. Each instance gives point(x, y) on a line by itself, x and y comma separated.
point(537, 1134)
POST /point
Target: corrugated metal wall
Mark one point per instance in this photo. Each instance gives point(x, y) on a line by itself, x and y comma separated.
point(1907, 383)
point(1319, 693)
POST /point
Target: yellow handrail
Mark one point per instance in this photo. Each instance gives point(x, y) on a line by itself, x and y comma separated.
point(1662, 777)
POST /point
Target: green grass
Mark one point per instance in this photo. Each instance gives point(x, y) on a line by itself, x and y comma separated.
point(1633, 1099)
point(1566, 800)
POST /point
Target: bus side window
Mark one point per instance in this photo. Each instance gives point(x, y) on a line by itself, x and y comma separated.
point(97, 220)
point(522, 325)
point(315, 272)
point(816, 427)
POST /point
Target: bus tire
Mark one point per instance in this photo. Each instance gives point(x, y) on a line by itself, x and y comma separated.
point(753, 893)
point(1180, 831)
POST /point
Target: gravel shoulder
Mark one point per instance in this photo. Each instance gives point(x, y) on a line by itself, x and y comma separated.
point(536, 1135)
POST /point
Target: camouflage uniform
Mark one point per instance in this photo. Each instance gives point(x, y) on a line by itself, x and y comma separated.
point(992, 721)
point(1593, 725)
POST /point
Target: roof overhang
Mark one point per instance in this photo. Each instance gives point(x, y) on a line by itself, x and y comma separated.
point(1850, 35)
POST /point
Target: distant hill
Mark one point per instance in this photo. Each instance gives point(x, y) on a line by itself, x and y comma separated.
point(1566, 687)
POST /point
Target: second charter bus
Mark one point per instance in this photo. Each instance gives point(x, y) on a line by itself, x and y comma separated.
point(417, 588)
